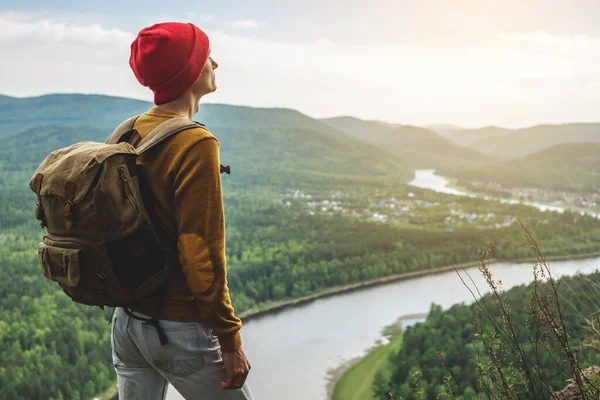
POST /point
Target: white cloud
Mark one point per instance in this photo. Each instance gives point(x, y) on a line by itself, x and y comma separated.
point(324, 42)
point(241, 24)
point(569, 42)
point(21, 27)
point(502, 84)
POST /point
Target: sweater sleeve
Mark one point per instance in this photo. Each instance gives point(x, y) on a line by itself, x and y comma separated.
point(198, 208)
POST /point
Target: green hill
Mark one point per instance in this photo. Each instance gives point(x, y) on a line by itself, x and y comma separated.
point(418, 147)
point(283, 139)
point(20, 114)
point(521, 142)
point(567, 166)
point(263, 146)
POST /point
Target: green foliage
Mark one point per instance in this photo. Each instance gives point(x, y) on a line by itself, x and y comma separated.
point(51, 347)
point(371, 373)
point(480, 358)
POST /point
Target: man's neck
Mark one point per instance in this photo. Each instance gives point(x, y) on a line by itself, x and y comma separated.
point(186, 107)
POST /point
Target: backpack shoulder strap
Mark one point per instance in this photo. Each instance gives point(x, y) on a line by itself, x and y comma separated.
point(164, 131)
point(122, 129)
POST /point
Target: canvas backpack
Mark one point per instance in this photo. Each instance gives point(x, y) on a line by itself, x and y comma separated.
point(101, 246)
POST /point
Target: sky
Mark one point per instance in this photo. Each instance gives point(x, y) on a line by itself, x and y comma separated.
point(472, 63)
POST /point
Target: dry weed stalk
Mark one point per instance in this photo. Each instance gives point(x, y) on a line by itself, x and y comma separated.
point(550, 334)
point(547, 311)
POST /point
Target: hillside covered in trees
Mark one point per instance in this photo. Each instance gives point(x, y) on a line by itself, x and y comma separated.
point(418, 147)
point(566, 167)
point(522, 347)
point(307, 208)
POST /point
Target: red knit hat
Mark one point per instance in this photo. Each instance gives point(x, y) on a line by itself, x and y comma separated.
point(169, 58)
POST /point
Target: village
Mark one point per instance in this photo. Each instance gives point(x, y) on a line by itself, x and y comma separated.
point(397, 210)
point(573, 200)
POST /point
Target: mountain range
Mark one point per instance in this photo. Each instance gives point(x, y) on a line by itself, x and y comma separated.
point(418, 147)
point(285, 148)
point(272, 147)
point(514, 143)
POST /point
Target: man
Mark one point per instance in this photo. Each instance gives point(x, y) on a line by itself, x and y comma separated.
point(203, 358)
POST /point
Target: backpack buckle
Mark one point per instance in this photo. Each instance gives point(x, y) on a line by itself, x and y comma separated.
point(39, 215)
point(70, 189)
point(68, 211)
point(102, 276)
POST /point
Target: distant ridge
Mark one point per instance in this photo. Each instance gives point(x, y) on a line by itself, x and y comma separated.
point(466, 137)
point(564, 166)
point(509, 143)
point(418, 147)
point(444, 129)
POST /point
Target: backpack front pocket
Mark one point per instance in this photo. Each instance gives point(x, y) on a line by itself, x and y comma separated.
point(60, 264)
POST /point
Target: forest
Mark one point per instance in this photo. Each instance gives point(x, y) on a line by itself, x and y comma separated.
point(492, 350)
point(544, 170)
point(307, 209)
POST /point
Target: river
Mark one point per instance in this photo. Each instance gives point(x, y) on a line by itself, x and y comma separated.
point(293, 350)
point(427, 179)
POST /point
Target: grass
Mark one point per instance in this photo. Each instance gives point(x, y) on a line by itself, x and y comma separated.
point(356, 383)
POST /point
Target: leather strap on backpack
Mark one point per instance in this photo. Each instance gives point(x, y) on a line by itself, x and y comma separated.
point(126, 133)
point(125, 127)
point(165, 130)
point(69, 212)
point(39, 209)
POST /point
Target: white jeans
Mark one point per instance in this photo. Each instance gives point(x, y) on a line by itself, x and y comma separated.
point(191, 361)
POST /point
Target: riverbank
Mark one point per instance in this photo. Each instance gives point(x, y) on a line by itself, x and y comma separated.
point(275, 307)
point(353, 379)
point(356, 379)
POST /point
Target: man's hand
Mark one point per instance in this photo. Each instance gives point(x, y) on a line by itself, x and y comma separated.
point(237, 367)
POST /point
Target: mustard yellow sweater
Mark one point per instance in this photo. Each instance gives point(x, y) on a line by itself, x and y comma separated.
point(185, 180)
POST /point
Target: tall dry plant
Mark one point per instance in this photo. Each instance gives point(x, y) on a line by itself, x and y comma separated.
point(503, 368)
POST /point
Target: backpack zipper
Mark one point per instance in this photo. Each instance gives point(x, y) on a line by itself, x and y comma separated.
point(127, 188)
